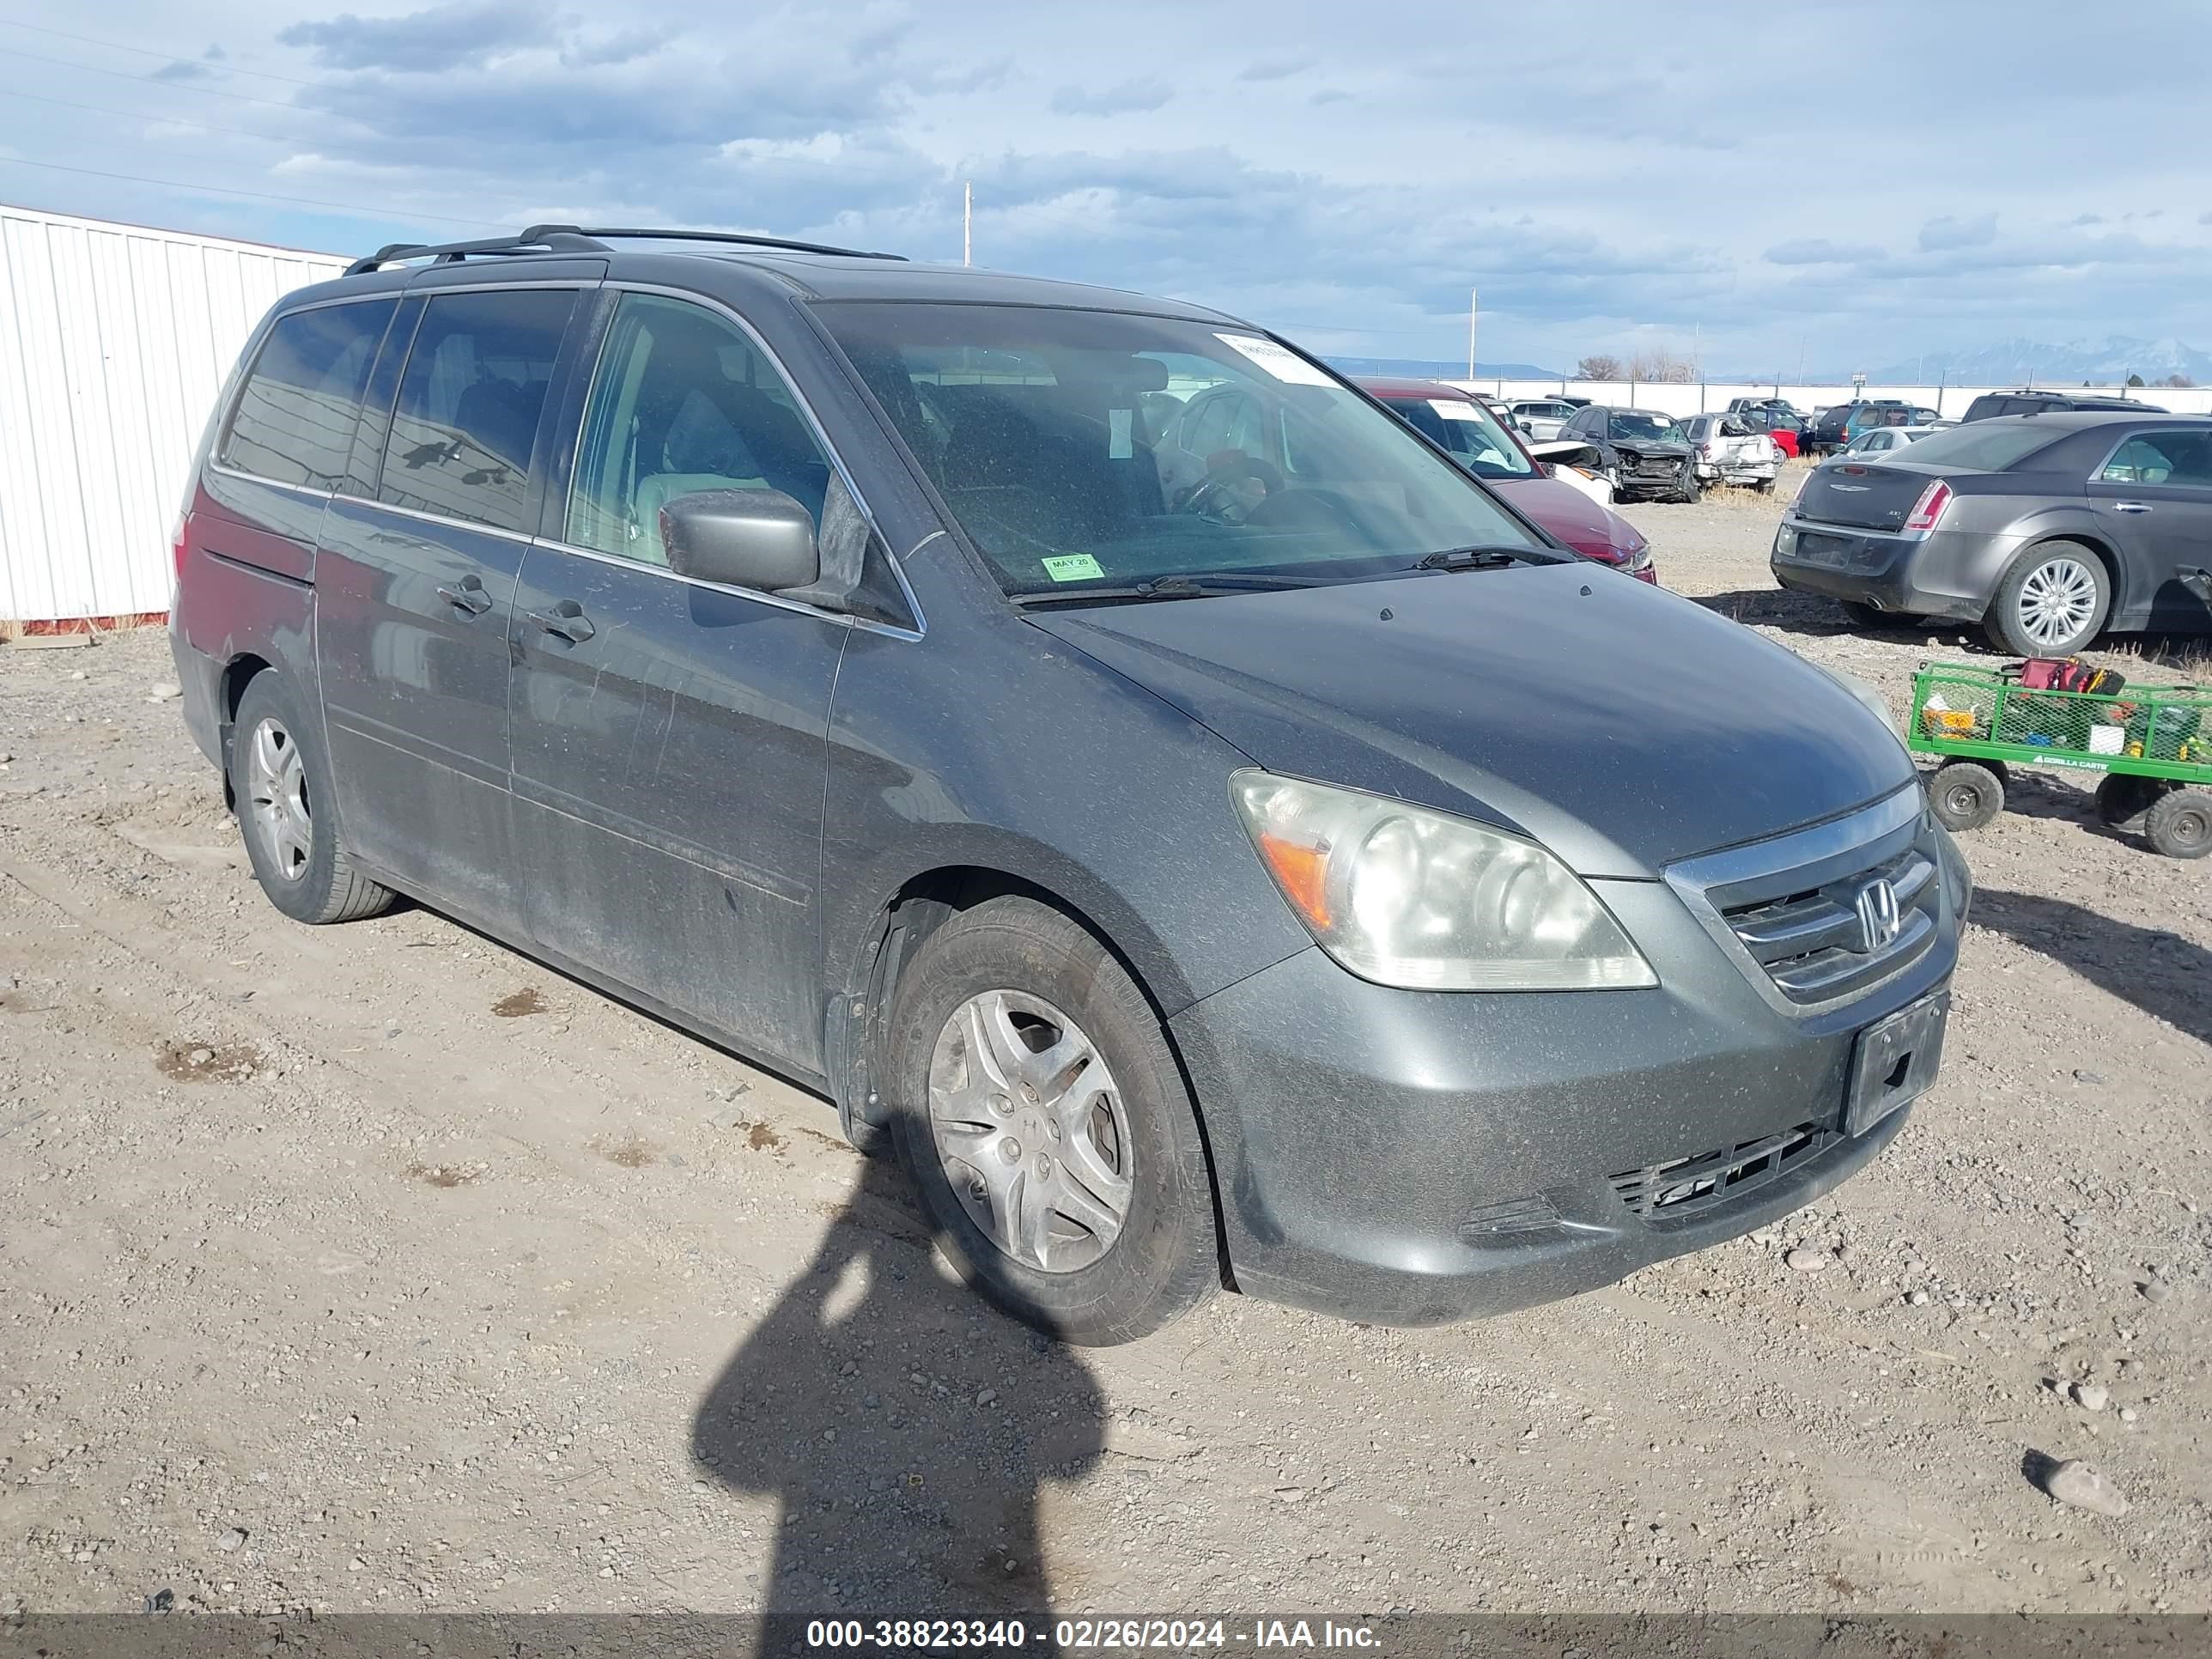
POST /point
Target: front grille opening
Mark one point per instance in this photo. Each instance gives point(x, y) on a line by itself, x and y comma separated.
point(1686, 1186)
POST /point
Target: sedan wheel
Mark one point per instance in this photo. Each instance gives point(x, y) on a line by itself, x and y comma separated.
point(1028, 1122)
point(2053, 601)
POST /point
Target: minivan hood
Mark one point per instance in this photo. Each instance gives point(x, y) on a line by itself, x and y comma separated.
point(1621, 726)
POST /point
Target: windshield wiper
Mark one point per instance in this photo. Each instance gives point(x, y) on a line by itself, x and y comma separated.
point(1483, 558)
point(1200, 586)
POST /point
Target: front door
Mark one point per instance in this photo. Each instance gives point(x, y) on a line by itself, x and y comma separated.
point(670, 736)
point(412, 592)
point(2155, 493)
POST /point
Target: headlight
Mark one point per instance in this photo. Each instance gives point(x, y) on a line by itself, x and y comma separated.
point(1409, 897)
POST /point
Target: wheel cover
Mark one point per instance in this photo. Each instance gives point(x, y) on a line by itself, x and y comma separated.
point(277, 799)
point(2057, 601)
point(1030, 1128)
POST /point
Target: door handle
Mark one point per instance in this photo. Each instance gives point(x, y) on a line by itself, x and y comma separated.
point(2131, 507)
point(469, 595)
point(567, 619)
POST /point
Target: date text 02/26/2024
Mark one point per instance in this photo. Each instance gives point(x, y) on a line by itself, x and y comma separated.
point(1085, 1635)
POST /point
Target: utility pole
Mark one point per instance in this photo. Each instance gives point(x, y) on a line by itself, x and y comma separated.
point(968, 223)
point(1473, 296)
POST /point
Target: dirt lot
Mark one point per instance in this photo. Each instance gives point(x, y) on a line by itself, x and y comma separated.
point(375, 1267)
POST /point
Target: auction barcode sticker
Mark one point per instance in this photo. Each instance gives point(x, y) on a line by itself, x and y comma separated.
point(1278, 361)
point(1452, 409)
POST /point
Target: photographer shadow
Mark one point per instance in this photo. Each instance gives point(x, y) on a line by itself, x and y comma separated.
point(905, 1428)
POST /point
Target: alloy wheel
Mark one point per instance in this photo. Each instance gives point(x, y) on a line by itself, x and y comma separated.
point(1029, 1124)
point(2057, 601)
point(276, 798)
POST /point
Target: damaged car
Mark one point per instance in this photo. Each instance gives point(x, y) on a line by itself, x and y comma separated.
point(1642, 453)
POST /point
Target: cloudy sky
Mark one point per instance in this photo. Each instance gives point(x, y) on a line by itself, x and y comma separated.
point(1845, 184)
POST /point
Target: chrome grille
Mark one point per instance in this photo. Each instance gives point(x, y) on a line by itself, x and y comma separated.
point(1790, 910)
point(1812, 944)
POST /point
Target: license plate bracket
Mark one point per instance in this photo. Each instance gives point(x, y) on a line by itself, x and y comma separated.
point(1895, 1062)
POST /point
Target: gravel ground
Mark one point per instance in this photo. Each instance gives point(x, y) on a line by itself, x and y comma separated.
point(377, 1268)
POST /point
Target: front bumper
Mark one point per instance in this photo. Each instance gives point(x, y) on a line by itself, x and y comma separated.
point(1412, 1157)
point(1938, 574)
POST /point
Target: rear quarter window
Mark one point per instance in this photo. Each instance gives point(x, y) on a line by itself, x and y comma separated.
point(1984, 447)
point(293, 420)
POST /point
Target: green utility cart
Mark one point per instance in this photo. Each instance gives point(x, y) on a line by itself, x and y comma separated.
point(2153, 744)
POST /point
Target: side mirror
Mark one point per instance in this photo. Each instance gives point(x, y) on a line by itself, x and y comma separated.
point(757, 538)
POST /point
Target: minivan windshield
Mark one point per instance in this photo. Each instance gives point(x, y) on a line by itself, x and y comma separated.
point(1111, 449)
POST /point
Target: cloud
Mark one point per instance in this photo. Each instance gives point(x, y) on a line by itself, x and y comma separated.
point(620, 47)
point(1147, 91)
point(1819, 251)
point(180, 69)
point(1938, 236)
point(1275, 66)
point(441, 38)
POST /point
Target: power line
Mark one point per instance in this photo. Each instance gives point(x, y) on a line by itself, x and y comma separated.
point(155, 80)
point(361, 208)
point(229, 68)
point(142, 115)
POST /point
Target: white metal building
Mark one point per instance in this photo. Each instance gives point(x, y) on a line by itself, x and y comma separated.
point(114, 340)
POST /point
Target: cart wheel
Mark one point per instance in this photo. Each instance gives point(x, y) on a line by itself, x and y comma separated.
point(1965, 794)
point(2180, 824)
point(2123, 799)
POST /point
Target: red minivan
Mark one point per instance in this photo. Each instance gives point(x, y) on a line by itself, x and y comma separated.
point(1471, 434)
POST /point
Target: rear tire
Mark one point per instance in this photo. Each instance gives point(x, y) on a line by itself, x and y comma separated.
point(1964, 795)
point(1045, 1243)
point(2179, 824)
point(2052, 602)
point(2123, 799)
point(286, 808)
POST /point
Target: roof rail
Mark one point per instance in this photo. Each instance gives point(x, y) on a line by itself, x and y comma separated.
point(550, 239)
point(742, 239)
point(575, 238)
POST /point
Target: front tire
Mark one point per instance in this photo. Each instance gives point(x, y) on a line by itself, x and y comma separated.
point(2179, 824)
point(1688, 487)
point(286, 809)
point(2052, 602)
point(1043, 1119)
point(1964, 795)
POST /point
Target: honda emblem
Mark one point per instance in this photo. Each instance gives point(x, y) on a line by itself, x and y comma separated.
point(1879, 919)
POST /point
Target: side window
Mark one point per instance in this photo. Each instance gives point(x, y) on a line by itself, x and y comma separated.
point(681, 403)
point(294, 418)
point(2161, 458)
point(468, 407)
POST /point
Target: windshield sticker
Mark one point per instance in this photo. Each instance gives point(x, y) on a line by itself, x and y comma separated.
point(1118, 447)
point(1073, 567)
point(1452, 409)
point(1282, 363)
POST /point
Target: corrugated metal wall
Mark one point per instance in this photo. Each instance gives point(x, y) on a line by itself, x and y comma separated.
point(114, 340)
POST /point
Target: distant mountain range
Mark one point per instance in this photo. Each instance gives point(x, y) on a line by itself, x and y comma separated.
point(1416, 369)
point(2108, 362)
